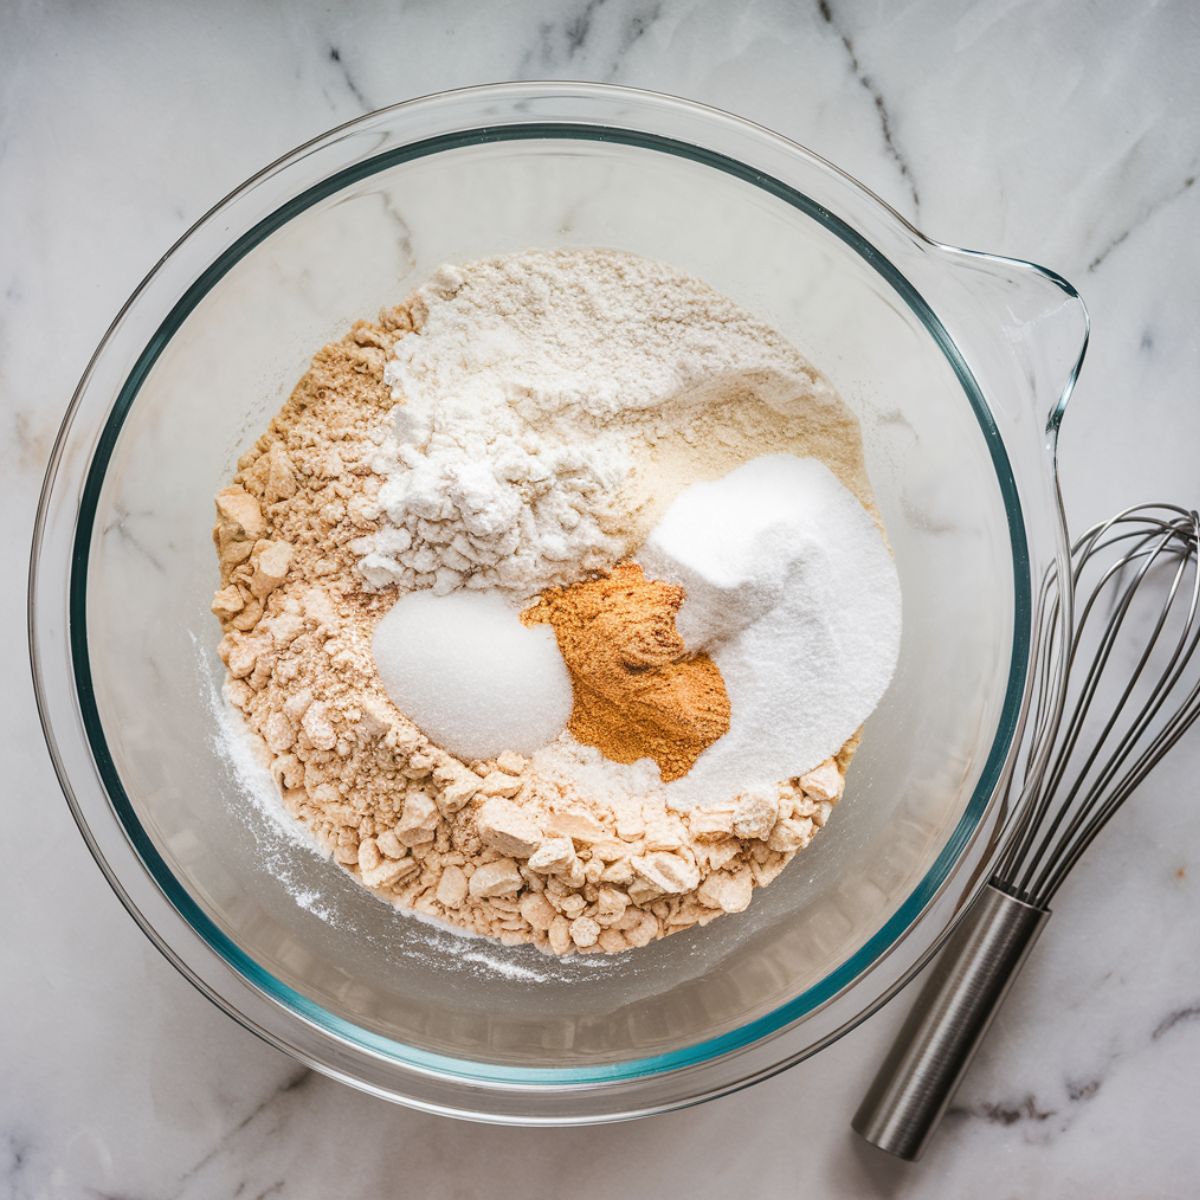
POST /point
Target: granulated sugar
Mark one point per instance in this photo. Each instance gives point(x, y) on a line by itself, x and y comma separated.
point(791, 589)
point(471, 675)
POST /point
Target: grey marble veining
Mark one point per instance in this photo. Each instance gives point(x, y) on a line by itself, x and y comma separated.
point(1064, 133)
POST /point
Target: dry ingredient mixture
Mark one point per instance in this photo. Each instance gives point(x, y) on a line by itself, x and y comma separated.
point(526, 429)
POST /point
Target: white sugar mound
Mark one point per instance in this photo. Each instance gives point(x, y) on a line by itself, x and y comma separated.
point(474, 679)
point(792, 591)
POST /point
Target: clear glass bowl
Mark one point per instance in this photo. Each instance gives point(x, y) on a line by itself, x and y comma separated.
point(953, 362)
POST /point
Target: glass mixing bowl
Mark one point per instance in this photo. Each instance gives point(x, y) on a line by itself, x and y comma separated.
point(952, 361)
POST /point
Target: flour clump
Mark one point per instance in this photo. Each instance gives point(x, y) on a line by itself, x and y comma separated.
point(509, 463)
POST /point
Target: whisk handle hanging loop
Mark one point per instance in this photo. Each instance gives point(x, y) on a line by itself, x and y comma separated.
point(966, 987)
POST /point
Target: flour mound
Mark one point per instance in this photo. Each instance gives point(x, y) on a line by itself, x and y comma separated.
point(508, 465)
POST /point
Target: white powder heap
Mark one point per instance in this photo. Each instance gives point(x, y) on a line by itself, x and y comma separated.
point(471, 675)
point(791, 589)
point(509, 463)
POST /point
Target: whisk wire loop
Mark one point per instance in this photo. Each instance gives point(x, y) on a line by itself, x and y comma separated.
point(1079, 767)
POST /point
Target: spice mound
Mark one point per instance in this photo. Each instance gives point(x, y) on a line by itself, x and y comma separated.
point(637, 692)
point(535, 640)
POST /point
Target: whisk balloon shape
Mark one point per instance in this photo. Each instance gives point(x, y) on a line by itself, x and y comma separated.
point(1140, 565)
point(1116, 685)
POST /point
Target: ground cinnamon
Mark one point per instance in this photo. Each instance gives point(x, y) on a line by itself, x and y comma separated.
point(637, 691)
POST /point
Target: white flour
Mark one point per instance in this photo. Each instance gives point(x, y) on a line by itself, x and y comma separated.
point(509, 465)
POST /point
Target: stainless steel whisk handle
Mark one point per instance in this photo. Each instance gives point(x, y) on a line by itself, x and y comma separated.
point(965, 988)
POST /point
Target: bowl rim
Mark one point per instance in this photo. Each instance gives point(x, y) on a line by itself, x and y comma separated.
point(836, 982)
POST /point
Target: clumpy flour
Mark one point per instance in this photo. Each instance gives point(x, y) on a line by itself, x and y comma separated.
point(555, 598)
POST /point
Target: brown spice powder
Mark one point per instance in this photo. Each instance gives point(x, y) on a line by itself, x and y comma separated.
point(638, 693)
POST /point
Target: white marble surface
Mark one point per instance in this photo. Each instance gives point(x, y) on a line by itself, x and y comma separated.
point(1066, 133)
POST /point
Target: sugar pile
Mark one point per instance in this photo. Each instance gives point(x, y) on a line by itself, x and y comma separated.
point(791, 590)
point(471, 675)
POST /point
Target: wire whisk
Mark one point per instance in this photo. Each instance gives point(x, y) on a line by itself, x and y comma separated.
point(1116, 685)
point(1136, 569)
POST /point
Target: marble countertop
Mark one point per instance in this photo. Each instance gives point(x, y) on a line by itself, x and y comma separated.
point(1064, 133)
